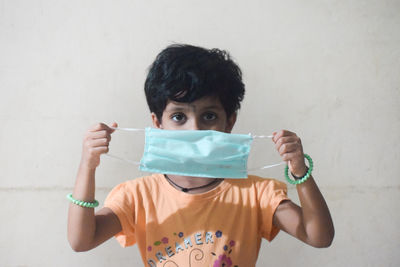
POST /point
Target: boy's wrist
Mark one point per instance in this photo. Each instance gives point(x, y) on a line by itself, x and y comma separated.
point(303, 173)
point(86, 168)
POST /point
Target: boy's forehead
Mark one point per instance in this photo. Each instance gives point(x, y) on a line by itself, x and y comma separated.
point(208, 102)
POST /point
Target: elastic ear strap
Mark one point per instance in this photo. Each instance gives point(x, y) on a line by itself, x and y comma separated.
point(261, 136)
point(267, 166)
point(128, 129)
point(126, 160)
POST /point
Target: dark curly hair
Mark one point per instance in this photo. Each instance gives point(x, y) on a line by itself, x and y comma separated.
point(185, 73)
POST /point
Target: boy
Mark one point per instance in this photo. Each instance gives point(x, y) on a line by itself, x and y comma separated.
point(187, 220)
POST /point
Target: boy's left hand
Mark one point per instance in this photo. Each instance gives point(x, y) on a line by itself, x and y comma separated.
point(290, 148)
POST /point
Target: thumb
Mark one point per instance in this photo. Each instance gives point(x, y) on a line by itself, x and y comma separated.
point(113, 125)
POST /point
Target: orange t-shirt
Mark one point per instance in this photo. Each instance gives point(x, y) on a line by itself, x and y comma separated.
point(172, 228)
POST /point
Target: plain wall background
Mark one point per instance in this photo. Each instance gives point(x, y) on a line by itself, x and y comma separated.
point(327, 70)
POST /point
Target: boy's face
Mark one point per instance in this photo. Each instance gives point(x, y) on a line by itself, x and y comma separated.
point(206, 113)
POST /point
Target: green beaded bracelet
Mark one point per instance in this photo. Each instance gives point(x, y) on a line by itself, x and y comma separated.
point(81, 203)
point(305, 177)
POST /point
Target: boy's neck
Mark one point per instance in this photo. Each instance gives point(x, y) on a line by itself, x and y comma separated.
point(193, 182)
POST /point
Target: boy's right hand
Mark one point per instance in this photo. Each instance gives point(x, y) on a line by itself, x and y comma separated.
point(95, 143)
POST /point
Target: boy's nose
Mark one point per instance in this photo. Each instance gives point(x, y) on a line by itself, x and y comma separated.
point(195, 125)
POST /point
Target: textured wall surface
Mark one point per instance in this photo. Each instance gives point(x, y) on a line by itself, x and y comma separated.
point(327, 70)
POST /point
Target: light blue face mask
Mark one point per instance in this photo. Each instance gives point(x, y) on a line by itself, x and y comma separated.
point(195, 153)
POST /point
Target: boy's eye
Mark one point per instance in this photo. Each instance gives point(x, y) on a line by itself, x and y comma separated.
point(178, 117)
point(209, 116)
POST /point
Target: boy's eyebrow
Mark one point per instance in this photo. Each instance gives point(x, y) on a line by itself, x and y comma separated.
point(212, 107)
point(183, 108)
point(176, 108)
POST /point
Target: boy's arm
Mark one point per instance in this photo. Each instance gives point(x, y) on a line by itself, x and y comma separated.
point(86, 229)
point(312, 222)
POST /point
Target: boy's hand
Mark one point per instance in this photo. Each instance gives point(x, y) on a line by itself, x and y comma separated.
point(95, 143)
point(290, 148)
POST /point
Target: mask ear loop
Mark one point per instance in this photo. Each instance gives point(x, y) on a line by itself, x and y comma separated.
point(128, 130)
point(126, 160)
point(261, 136)
point(266, 166)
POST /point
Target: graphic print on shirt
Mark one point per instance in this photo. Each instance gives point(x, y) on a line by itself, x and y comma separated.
point(165, 250)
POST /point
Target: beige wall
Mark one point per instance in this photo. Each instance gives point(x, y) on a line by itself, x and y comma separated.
point(327, 70)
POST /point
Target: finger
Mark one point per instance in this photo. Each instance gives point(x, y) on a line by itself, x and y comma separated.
point(281, 133)
point(288, 148)
point(98, 135)
point(290, 156)
point(287, 139)
point(98, 127)
point(99, 142)
point(113, 125)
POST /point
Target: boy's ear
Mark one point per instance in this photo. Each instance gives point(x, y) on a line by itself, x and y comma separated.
point(156, 122)
point(231, 122)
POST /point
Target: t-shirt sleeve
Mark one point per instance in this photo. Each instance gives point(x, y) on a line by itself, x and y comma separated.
point(272, 193)
point(121, 201)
